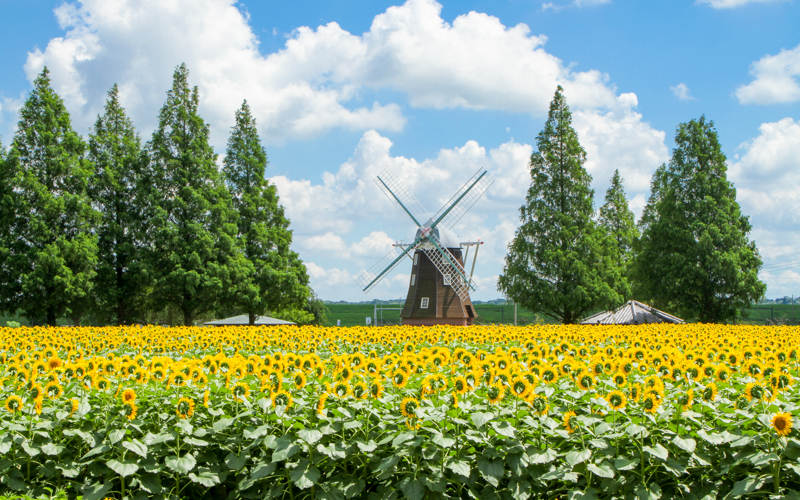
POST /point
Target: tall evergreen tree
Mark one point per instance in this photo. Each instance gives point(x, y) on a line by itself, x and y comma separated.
point(52, 249)
point(122, 278)
point(279, 280)
point(619, 223)
point(694, 254)
point(192, 228)
point(559, 261)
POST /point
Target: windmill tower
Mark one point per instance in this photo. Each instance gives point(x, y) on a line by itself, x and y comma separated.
point(438, 289)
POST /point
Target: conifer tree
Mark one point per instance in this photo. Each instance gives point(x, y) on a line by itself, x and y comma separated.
point(122, 279)
point(51, 250)
point(279, 280)
point(559, 262)
point(195, 255)
point(619, 223)
point(694, 255)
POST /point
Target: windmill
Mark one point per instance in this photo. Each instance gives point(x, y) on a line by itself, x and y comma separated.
point(438, 290)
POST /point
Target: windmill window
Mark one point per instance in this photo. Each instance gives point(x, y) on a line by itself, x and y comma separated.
point(416, 259)
point(424, 304)
point(413, 279)
point(446, 280)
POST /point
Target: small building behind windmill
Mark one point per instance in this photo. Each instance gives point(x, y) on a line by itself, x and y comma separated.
point(632, 312)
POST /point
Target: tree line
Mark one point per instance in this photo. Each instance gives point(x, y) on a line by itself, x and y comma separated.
point(110, 230)
point(689, 253)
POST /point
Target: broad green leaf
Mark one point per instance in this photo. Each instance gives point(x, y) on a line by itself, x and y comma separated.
point(635, 430)
point(542, 456)
point(52, 448)
point(368, 447)
point(761, 458)
point(402, 438)
point(459, 467)
point(182, 464)
point(96, 451)
point(195, 442)
point(657, 451)
point(387, 462)
point(310, 436)
point(480, 419)
point(222, 424)
point(285, 450)
point(745, 486)
point(576, 457)
point(304, 475)
point(504, 429)
point(686, 444)
point(714, 438)
point(602, 469)
point(251, 433)
point(263, 470)
point(96, 491)
point(412, 489)
point(14, 480)
point(31, 450)
point(353, 486)
point(116, 436)
point(153, 439)
point(589, 494)
point(444, 442)
point(136, 446)
point(520, 490)
point(354, 424)
point(234, 461)
point(600, 444)
point(151, 483)
point(491, 470)
point(206, 478)
point(650, 492)
point(125, 468)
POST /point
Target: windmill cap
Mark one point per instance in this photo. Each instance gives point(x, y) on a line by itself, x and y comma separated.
point(447, 237)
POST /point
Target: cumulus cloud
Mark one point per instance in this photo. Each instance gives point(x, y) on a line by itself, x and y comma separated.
point(342, 221)
point(768, 189)
point(681, 91)
point(776, 79)
point(317, 81)
point(574, 3)
point(729, 4)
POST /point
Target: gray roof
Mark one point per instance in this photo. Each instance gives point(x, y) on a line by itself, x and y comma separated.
point(632, 312)
point(244, 320)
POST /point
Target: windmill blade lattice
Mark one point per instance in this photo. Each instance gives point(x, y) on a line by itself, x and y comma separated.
point(370, 277)
point(447, 265)
point(396, 191)
point(464, 199)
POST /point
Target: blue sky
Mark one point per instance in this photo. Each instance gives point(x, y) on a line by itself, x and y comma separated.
point(342, 90)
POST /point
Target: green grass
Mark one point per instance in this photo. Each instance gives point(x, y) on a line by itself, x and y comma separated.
point(356, 314)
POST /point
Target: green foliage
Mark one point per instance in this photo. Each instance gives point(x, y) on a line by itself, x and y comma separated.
point(694, 256)
point(121, 280)
point(560, 262)
point(618, 221)
point(278, 280)
point(50, 249)
point(194, 251)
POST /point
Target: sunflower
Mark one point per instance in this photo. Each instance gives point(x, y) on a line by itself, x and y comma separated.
point(241, 391)
point(620, 379)
point(495, 393)
point(128, 396)
point(408, 407)
point(571, 421)
point(54, 362)
point(36, 391)
point(520, 387)
point(185, 408)
point(586, 381)
point(53, 390)
point(400, 378)
point(460, 385)
point(341, 389)
point(205, 398)
point(650, 402)
point(376, 388)
point(13, 403)
point(709, 392)
point(37, 406)
point(73, 406)
point(782, 423)
point(723, 374)
point(282, 398)
point(617, 400)
point(177, 379)
point(321, 404)
point(299, 380)
point(360, 390)
point(635, 392)
point(754, 390)
point(685, 399)
point(538, 403)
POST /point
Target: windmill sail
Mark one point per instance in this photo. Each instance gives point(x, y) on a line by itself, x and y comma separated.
point(463, 200)
point(401, 197)
point(370, 277)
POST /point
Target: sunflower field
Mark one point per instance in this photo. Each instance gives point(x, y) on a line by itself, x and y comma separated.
point(679, 411)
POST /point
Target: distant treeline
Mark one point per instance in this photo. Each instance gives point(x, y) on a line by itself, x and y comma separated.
point(110, 230)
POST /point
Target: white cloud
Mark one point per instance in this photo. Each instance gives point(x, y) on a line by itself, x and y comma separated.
point(776, 79)
point(768, 190)
point(620, 140)
point(729, 4)
point(681, 91)
point(316, 82)
point(575, 3)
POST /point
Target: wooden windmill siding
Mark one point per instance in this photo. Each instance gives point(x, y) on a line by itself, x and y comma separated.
point(445, 307)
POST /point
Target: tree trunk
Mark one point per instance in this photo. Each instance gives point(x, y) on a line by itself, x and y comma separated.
point(251, 318)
